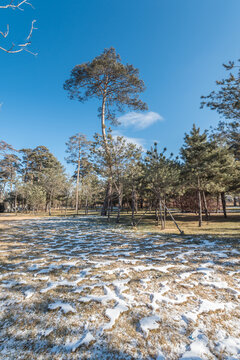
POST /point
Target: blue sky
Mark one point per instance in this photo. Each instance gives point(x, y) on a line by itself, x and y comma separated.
point(178, 46)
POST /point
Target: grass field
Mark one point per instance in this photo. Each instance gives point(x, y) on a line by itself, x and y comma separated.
point(216, 225)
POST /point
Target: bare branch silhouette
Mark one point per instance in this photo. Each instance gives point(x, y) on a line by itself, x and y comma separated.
point(16, 48)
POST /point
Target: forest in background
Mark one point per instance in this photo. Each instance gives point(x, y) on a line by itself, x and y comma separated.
point(113, 174)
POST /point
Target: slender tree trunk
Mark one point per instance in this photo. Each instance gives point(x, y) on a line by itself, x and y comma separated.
point(161, 215)
point(109, 202)
point(105, 208)
point(199, 209)
point(107, 199)
point(86, 206)
point(50, 206)
point(47, 203)
point(133, 206)
point(157, 213)
point(103, 121)
point(136, 203)
point(224, 204)
point(199, 205)
point(217, 207)
point(66, 206)
point(15, 203)
point(235, 201)
point(164, 212)
point(205, 205)
point(119, 206)
point(80, 201)
point(77, 184)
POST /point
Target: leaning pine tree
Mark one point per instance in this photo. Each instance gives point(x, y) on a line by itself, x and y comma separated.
point(115, 85)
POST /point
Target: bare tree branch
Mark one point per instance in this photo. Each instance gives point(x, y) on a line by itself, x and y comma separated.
point(21, 47)
point(16, 48)
point(14, 6)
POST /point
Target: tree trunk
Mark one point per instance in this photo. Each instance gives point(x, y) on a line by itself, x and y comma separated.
point(217, 208)
point(105, 208)
point(66, 206)
point(105, 203)
point(49, 206)
point(199, 205)
point(235, 201)
point(157, 213)
point(161, 215)
point(164, 212)
point(133, 207)
point(109, 202)
point(119, 206)
point(15, 204)
point(86, 206)
point(199, 209)
point(77, 184)
point(136, 203)
point(205, 205)
point(224, 204)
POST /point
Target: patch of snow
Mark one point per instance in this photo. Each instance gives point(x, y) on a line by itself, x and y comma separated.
point(66, 308)
point(29, 293)
point(113, 315)
point(198, 349)
point(149, 323)
point(86, 339)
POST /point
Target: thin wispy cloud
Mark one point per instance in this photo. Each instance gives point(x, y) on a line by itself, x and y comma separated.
point(137, 141)
point(140, 120)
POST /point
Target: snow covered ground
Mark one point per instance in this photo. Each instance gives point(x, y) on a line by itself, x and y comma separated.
point(73, 289)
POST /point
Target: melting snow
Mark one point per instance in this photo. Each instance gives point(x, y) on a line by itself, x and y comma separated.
point(139, 296)
point(66, 308)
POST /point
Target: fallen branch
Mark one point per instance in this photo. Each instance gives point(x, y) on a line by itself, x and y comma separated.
point(181, 231)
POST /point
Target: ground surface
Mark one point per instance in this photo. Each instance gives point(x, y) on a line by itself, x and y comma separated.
point(188, 222)
point(74, 289)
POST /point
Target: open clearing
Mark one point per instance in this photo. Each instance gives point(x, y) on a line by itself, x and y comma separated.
point(75, 289)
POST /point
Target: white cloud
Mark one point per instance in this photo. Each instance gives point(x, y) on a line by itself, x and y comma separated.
point(140, 120)
point(137, 141)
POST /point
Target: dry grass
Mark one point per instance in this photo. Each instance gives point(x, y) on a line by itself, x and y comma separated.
point(37, 254)
point(216, 225)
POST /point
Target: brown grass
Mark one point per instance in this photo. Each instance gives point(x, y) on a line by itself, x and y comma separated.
point(216, 225)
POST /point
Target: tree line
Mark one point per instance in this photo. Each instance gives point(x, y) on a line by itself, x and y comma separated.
point(112, 174)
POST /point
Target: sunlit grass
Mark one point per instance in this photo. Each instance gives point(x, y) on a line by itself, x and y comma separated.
point(188, 222)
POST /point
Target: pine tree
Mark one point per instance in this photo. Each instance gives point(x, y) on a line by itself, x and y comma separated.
point(115, 85)
point(197, 155)
point(162, 175)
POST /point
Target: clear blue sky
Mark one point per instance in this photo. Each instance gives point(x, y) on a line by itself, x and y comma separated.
point(178, 46)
